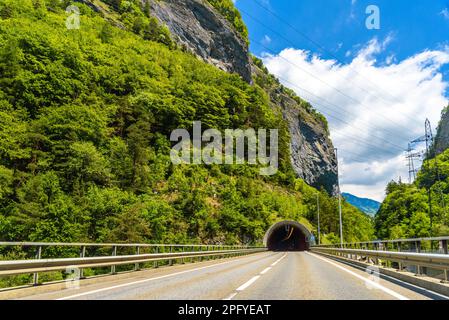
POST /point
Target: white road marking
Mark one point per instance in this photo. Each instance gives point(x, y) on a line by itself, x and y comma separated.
point(278, 260)
point(266, 270)
point(142, 281)
point(400, 281)
point(231, 296)
point(254, 279)
point(248, 283)
point(372, 283)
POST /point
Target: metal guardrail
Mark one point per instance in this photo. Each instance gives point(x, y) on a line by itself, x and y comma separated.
point(417, 252)
point(160, 252)
point(399, 244)
point(403, 259)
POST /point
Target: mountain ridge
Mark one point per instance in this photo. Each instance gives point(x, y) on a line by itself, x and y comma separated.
point(366, 205)
point(86, 117)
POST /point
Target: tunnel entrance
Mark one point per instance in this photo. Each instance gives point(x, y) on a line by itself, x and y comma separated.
point(287, 236)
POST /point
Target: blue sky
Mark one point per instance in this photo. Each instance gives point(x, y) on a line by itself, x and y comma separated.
point(339, 25)
point(376, 87)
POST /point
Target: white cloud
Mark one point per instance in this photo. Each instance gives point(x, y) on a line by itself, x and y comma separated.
point(445, 13)
point(389, 102)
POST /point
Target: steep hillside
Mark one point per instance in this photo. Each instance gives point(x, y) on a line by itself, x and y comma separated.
point(365, 205)
point(196, 26)
point(312, 152)
point(442, 136)
point(85, 120)
point(405, 211)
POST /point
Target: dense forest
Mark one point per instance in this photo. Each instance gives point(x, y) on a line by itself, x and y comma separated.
point(418, 209)
point(85, 120)
point(405, 213)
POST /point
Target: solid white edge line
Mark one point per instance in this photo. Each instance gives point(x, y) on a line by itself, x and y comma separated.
point(248, 283)
point(266, 270)
point(372, 283)
point(398, 280)
point(231, 296)
point(143, 281)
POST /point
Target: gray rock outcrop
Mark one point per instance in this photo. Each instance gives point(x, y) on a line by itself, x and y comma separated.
point(198, 27)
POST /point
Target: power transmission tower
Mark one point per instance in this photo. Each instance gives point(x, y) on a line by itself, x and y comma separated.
point(429, 153)
point(411, 156)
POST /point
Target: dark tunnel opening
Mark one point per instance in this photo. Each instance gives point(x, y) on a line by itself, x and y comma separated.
point(287, 237)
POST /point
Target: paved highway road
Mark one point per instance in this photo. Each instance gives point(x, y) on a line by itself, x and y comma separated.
point(268, 275)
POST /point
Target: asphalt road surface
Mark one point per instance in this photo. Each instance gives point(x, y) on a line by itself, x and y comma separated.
point(268, 275)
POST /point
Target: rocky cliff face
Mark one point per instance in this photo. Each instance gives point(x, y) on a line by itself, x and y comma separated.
point(202, 30)
point(442, 137)
point(312, 151)
point(199, 28)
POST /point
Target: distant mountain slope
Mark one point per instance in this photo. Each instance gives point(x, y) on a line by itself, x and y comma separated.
point(368, 206)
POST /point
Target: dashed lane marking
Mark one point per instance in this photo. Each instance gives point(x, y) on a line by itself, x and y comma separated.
point(254, 279)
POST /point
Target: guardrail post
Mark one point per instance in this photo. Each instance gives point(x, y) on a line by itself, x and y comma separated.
point(386, 248)
point(170, 262)
point(36, 274)
point(136, 266)
point(418, 250)
point(366, 247)
point(444, 246)
point(82, 255)
point(155, 263)
point(114, 253)
point(445, 277)
point(376, 248)
point(183, 250)
point(400, 267)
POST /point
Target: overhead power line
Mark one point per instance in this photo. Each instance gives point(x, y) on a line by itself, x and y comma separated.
point(337, 108)
point(316, 77)
point(304, 35)
point(334, 88)
point(399, 148)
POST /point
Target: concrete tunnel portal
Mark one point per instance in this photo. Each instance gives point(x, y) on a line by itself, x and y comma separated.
point(288, 236)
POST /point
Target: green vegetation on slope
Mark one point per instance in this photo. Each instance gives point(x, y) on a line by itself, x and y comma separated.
point(230, 12)
point(269, 82)
point(405, 211)
point(135, 16)
point(85, 117)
